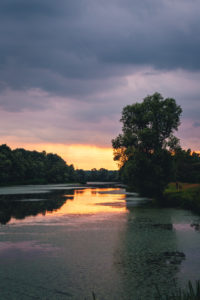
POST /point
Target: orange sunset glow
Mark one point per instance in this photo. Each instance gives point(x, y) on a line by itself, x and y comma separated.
point(92, 201)
point(81, 156)
point(85, 202)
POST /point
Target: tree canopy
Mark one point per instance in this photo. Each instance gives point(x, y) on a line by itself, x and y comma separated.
point(21, 166)
point(147, 142)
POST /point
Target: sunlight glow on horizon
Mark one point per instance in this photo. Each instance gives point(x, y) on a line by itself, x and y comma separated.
point(81, 156)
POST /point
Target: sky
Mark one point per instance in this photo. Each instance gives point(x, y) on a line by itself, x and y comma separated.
point(67, 69)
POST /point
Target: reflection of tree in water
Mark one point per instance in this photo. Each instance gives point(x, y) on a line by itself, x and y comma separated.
point(80, 192)
point(148, 256)
point(22, 206)
point(196, 226)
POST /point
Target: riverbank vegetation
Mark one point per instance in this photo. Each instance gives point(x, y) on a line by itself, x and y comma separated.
point(192, 292)
point(185, 191)
point(101, 175)
point(148, 153)
point(183, 195)
point(21, 166)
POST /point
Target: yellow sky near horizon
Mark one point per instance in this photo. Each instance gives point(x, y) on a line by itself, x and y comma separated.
point(81, 156)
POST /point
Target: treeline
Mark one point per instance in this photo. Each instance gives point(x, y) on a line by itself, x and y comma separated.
point(97, 175)
point(21, 166)
point(186, 166)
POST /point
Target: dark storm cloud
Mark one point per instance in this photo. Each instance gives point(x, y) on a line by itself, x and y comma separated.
point(74, 48)
point(67, 68)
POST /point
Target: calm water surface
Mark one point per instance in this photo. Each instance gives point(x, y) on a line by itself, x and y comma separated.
point(64, 242)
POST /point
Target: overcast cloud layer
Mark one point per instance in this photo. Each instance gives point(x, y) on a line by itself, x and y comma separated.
point(67, 68)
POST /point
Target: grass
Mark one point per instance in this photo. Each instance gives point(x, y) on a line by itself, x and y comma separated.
point(190, 293)
point(93, 296)
point(182, 187)
point(186, 196)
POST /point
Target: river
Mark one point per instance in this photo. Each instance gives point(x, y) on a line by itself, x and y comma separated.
point(66, 242)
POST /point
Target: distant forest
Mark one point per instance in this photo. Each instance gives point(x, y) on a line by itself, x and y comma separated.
point(21, 166)
point(186, 166)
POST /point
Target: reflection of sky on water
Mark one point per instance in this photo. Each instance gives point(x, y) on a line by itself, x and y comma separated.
point(90, 201)
point(8, 249)
point(61, 207)
point(100, 240)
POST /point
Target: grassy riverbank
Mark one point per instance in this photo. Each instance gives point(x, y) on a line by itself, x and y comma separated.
point(191, 292)
point(183, 195)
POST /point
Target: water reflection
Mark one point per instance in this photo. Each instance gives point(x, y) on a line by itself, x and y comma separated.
point(21, 206)
point(93, 201)
point(56, 203)
point(148, 256)
point(100, 240)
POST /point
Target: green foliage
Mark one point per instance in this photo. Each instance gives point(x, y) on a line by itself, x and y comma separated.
point(21, 166)
point(101, 175)
point(188, 198)
point(144, 149)
point(187, 166)
point(148, 174)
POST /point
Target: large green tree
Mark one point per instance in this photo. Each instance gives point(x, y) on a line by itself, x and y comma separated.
point(145, 147)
